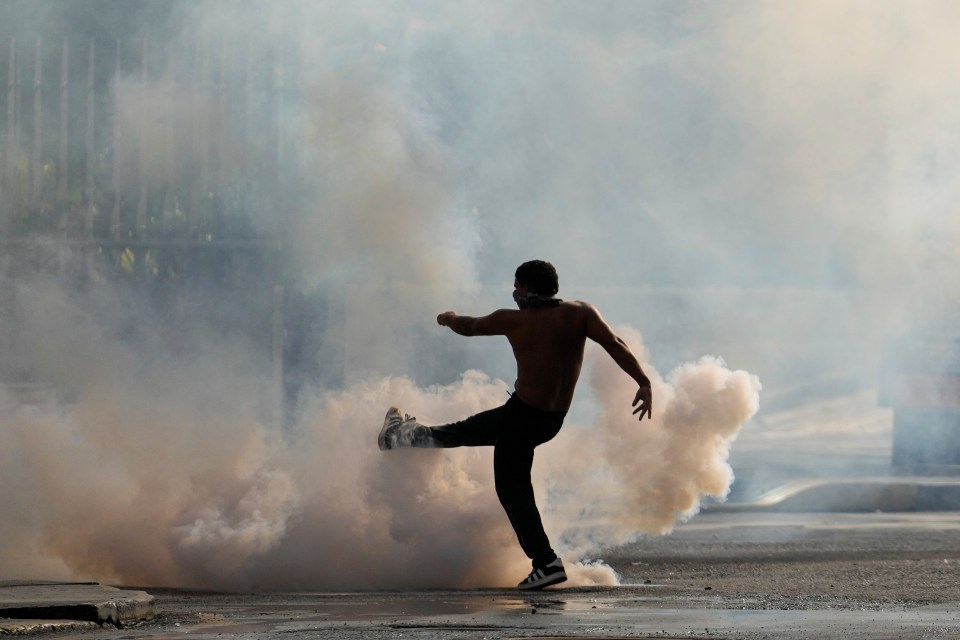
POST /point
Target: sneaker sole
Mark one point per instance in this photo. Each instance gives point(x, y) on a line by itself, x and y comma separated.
point(553, 579)
point(382, 438)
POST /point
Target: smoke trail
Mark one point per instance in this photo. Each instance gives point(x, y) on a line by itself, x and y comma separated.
point(137, 462)
point(662, 144)
point(618, 479)
point(148, 478)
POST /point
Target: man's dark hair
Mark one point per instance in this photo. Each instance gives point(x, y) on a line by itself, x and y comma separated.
point(539, 276)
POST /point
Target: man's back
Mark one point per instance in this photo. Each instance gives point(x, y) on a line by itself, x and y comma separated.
point(548, 338)
point(548, 345)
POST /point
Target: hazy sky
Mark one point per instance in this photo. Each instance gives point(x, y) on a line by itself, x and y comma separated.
point(808, 143)
point(793, 143)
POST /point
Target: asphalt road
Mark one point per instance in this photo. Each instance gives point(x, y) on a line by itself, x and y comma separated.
point(734, 574)
point(722, 575)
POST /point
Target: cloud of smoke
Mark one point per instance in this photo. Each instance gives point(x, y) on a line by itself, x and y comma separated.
point(160, 127)
point(430, 148)
point(137, 464)
point(148, 478)
point(616, 479)
point(848, 118)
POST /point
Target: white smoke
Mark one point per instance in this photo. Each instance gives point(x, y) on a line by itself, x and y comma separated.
point(147, 477)
point(617, 478)
point(436, 147)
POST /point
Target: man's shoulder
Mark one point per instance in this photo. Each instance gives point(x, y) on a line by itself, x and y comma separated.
point(578, 305)
point(497, 322)
point(578, 311)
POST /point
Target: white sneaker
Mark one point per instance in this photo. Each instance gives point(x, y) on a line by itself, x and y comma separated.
point(553, 573)
point(403, 430)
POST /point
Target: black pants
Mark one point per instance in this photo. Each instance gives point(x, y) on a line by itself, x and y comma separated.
point(513, 430)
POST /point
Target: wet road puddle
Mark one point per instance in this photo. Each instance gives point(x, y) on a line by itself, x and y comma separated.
point(545, 615)
point(436, 611)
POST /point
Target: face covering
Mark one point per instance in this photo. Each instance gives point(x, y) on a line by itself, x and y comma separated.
point(535, 300)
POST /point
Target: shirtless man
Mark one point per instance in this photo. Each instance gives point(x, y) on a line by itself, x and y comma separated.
point(548, 337)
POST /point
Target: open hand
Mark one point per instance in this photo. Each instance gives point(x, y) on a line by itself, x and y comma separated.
point(643, 402)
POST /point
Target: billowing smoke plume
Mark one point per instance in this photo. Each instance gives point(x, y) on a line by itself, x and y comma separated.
point(149, 478)
point(742, 179)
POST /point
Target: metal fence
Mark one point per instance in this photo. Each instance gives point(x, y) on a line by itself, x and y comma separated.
point(151, 162)
point(135, 146)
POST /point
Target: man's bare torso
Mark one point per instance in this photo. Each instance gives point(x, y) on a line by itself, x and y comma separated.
point(548, 344)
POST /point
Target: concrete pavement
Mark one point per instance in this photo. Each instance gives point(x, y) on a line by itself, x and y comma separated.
point(30, 607)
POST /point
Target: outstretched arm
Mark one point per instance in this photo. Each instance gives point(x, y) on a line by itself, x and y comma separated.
point(495, 324)
point(601, 333)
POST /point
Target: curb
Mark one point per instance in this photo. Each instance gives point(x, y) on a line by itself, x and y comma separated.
point(28, 607)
